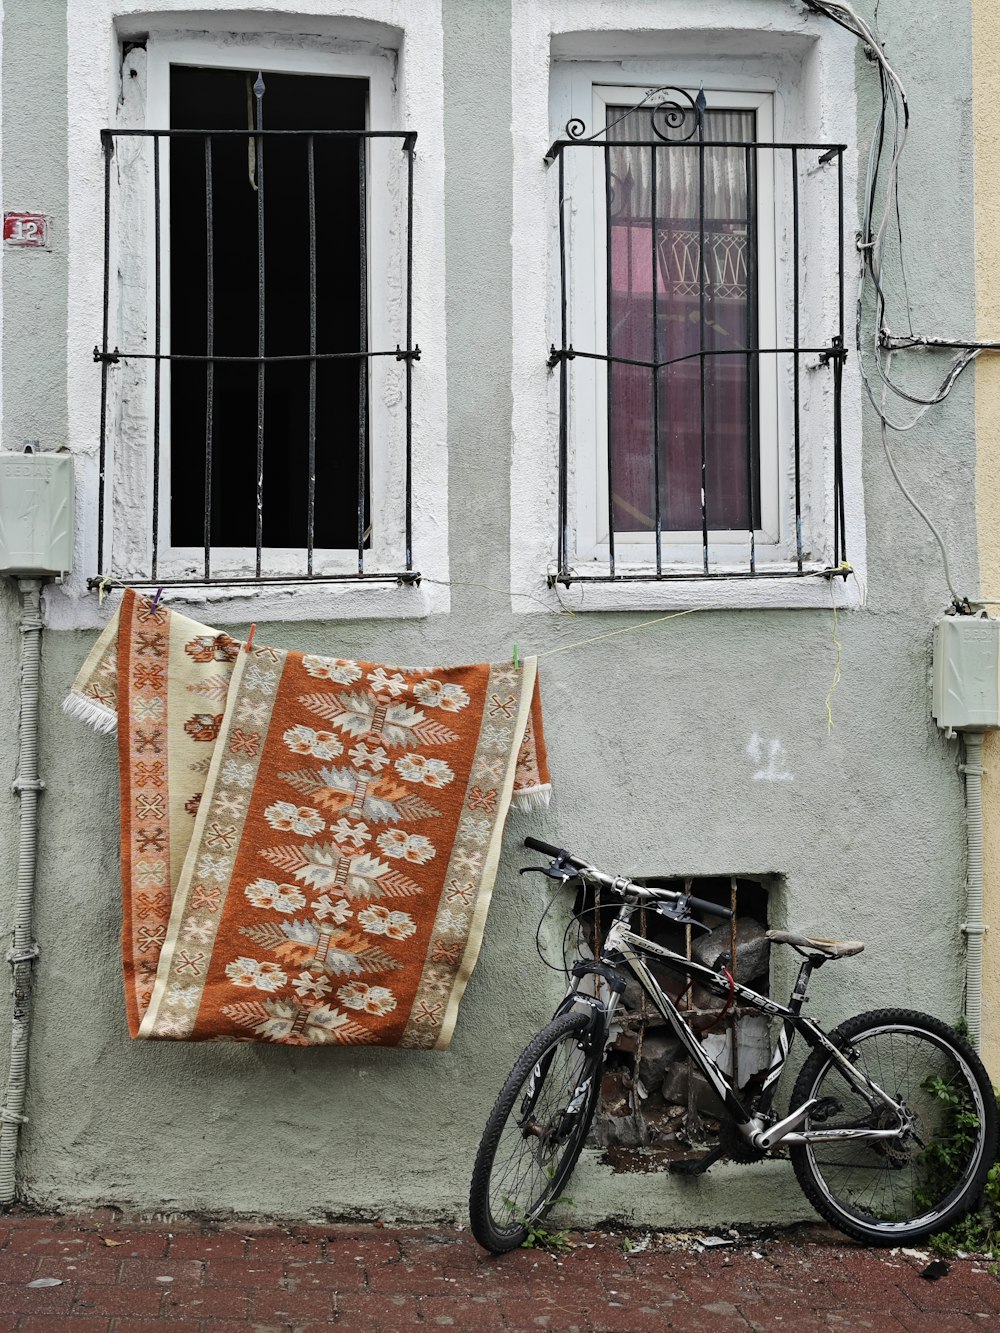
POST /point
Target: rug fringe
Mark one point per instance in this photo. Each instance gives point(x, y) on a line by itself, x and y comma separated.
point(535, 798)
point(103, 720)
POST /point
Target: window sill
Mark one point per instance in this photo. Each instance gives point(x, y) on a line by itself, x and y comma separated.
point(71, 606)
point(694, 593)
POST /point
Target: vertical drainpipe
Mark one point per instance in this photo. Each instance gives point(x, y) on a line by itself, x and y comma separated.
point(974, 928)
point(24, 952)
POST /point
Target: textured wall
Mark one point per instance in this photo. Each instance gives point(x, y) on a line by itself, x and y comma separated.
point(35, 102)
point(33, 343)
point(651, 739)
point(986, 85)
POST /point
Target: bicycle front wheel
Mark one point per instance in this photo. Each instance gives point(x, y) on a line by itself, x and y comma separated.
point(893, 1190)
point(535, 1133)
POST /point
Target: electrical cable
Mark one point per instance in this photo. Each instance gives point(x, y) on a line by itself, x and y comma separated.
point(958, 601)
point(882, 184)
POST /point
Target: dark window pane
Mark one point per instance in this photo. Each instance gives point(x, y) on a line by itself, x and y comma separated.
point(223, 99)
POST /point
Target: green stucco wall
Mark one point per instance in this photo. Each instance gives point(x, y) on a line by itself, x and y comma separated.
point(648, 733)
point(986, 82)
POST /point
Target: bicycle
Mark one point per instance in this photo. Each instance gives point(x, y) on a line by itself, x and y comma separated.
point(887, 1162)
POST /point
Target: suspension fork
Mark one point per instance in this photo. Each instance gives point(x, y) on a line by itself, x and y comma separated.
point(596, 1032)
point(600, 1011)
point(602, 1005)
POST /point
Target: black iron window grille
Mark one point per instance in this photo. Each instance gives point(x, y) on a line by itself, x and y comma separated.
point(700, 371)
point(239, 375)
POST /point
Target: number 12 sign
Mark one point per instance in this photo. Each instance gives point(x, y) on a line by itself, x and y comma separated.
point(26, 230)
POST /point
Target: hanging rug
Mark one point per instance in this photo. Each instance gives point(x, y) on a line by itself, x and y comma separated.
point(308, 843)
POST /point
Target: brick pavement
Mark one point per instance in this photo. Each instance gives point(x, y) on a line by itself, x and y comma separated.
point(192, 1278)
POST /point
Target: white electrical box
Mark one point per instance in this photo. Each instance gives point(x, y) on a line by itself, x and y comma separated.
point(36, 514)
point(966, 686)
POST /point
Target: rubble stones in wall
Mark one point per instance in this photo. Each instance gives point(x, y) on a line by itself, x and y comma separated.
point(684, 1086)
point(659, 1052)
point(619, 1121)
point(651, 1097)
point(753, 948)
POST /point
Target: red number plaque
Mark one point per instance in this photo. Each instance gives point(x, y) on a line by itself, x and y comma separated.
point(26, 229)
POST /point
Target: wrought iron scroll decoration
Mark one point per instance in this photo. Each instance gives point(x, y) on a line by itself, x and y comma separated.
point(672, 113)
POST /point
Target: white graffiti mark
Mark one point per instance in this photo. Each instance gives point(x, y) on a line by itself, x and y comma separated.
point(768, 756)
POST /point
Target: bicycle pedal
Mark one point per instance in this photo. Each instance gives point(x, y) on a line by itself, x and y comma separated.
point(695, 1166)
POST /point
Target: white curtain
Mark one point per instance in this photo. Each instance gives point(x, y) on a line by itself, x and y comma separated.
point(677, 169)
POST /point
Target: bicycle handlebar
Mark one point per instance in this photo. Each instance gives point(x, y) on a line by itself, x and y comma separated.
point(703, 905)
point(621, 883)
point(537, 845)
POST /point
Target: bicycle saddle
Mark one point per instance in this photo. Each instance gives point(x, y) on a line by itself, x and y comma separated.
point(828, 948)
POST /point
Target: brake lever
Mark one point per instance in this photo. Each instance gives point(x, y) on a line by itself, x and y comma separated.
point(556, 870)
point(677, 913)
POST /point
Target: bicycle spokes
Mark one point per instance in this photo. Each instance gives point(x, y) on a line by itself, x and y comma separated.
point(938, 1142)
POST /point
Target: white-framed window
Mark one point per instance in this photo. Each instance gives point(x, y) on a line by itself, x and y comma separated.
point(710, 455)
point(122, 59)
point(688, 332)
point(252, 328)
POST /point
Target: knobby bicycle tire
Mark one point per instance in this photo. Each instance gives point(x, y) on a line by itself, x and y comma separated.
point(535, 1133)
point(891, 1191)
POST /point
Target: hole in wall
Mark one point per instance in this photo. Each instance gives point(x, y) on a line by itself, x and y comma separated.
point(654, 1107)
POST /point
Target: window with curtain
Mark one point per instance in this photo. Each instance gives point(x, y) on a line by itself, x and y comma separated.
point(700, 290)
point(682, 242)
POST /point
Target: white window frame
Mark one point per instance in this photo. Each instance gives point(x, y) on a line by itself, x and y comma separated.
point(589, 409)
point(107, 40)
point(810, 71)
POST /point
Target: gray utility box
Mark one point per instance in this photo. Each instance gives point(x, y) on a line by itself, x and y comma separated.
point(966, 689)
point(36, 514)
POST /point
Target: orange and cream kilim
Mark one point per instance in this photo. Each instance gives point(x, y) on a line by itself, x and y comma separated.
point(309, 843)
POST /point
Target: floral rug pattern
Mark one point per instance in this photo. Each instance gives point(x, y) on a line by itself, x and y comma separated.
point(309, 843)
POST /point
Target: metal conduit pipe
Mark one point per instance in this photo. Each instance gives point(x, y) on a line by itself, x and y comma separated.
point(974, 927)
point(24, 952)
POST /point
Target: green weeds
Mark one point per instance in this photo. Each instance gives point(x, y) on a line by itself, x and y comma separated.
point(979, 1233)
point(941, 1165)
point(539, 1237)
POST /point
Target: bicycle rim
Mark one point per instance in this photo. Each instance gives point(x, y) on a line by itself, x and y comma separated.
point(911, 1185)
point(535, 1134)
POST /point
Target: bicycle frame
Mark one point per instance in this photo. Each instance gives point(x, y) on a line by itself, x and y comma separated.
point(623, 946)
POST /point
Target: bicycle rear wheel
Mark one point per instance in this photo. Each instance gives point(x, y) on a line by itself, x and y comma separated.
point(535, 1132)
point(894, 1190)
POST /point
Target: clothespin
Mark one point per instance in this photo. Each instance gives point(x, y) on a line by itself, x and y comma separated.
point(249, 642)
point(156, 599)
point(517, 660)
point(102, 588)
